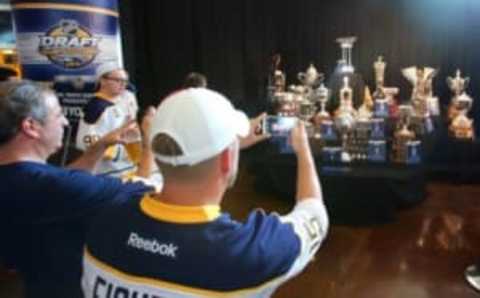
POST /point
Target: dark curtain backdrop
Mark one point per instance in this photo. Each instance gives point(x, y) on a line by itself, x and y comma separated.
point(232, 42)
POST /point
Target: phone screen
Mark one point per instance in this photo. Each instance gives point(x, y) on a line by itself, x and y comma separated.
point(279, 125)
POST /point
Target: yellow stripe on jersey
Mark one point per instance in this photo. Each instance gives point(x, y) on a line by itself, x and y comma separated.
point(179, 214)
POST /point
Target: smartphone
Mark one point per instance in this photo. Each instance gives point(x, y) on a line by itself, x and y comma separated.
point(278, 125)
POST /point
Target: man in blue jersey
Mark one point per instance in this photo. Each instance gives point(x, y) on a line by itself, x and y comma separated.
point(45, 210)
point(179, 243)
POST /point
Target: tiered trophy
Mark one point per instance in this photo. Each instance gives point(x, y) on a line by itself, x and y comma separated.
point(424, 103)
point(381, 108)
point(461, 127)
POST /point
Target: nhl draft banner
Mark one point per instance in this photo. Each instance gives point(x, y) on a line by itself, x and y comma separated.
point(63, 42)
point(66, 37)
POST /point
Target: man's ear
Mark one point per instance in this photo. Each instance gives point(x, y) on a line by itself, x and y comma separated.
point(30, 128)
point(226, 160)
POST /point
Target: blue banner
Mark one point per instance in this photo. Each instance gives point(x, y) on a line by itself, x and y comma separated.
point(66, 37)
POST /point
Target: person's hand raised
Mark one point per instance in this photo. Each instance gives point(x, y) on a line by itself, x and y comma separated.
point(255, 135)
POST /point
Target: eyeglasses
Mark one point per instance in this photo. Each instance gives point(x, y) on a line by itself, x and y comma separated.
point(117, 80)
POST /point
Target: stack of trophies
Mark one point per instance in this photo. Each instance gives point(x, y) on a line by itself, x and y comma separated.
point(364, 134)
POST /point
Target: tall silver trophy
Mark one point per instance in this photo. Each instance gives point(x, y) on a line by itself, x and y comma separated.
point(346, 45)
point(345, 117)
point(461, 127)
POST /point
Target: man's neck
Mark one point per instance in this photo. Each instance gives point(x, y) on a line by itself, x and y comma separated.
point(107, 95)
point(12, 152)
point(190, 195)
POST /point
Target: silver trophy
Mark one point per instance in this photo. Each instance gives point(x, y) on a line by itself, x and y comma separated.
point(345, 118)
point(321, 95)
point(346, 45)
point(311, 77)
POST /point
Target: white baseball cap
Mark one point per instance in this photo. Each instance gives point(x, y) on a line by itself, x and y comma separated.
point(105, 68)
point(201, 121)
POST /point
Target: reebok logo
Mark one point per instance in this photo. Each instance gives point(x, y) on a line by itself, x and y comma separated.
point(152, 246)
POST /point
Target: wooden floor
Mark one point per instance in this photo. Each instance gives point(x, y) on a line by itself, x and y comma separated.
point(421, 255)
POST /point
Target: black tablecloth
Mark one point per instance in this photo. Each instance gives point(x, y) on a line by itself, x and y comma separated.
point(355, 193)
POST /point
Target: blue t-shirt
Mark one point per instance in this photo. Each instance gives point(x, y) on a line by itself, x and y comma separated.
point(43, 219)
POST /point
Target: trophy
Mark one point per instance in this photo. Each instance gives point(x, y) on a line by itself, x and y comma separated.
point(422, 92)
point(365, 110)
point(345, 117)
point(276, 79)
point(284, 104)
point(460, 127)
point(423, 101)
point(279, 81)
point(321, 95)
point(403, 135)
point(381, 108)
point(346, 99)
point(310, 78)
point(346, 45)
point(458, 84)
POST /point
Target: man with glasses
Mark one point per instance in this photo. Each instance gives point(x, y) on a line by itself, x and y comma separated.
point(111, 107)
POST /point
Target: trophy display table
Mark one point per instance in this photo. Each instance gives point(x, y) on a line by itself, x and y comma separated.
point(354, 193)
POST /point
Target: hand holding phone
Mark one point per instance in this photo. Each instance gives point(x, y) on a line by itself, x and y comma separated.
point(278, 126)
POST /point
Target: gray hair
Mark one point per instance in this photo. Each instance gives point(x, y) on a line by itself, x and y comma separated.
point(20, 100)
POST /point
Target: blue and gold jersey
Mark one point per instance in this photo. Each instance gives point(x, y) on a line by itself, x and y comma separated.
point(161, 250)
point(102, 115)
point(45, 213)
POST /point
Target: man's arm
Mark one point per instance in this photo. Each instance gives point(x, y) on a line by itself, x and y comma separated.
point(309, 216)
point(308, 184)
point(147, 161)
point(94, 153)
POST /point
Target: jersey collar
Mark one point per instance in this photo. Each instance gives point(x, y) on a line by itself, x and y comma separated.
point(178, 214)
